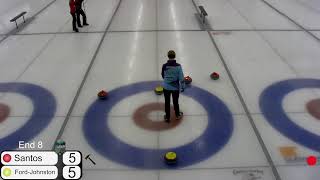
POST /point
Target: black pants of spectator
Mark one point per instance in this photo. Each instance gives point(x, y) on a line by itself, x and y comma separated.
point(81, 12)
point(175, 97)
point(74, 21)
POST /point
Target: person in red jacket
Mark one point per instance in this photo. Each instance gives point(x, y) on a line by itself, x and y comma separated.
point(72, 5)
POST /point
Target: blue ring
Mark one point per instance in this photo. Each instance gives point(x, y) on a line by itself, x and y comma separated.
point(215, 137)
point(44, 109)
point(271, 106)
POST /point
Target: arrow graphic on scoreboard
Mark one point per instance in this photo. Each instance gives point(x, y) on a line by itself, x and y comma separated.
point(88, 158)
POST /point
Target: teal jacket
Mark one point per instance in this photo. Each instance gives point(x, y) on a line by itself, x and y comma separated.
point(172, 74)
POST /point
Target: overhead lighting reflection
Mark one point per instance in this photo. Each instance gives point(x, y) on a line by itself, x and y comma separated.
point(135, 44)
point(174, 18)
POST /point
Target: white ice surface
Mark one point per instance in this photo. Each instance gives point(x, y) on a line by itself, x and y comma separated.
point(243, 139)
point(176, 15)
point(50, 20)
point(244, 14)
point(253, 63)
point(47, 136)
point(12, 64)
point(124, 58)
point(115, 175)
point(143, 62)
point(296, 101)
point(208, 174)
point(60, 70)
point(135, 15)
point(299, 50)
point(256, 60)
point(307, 16)
point(317, 33)
point(11, 8)
point(299, 172)
point(275, 140)
point(261, 16)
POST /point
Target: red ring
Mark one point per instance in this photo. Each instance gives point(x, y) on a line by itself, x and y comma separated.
point(142, 120)
point(313, 108)
point(4, 112)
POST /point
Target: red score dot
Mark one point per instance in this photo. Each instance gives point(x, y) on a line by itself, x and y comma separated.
point(7, 158)
point(312, 160)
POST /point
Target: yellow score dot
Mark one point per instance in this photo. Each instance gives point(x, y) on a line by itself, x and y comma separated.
point(171, 155)
point(7, 172)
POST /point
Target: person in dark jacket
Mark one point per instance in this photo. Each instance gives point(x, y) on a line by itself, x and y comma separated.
point(72, 6)
point(79, 11)
point(173, 83)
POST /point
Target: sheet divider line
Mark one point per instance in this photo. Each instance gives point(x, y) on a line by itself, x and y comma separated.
point(27, 22)
point(293, 21)
point(246, 109)
point(255, 129)
point(259, 137)
point(65, 122)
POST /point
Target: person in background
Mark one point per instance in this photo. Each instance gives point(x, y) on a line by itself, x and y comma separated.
point(79, 11)
point(72, 5)
point(173, 82)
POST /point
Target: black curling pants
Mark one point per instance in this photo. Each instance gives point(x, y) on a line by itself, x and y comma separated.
point(175, 97)
point(74, 20)
point(81, 12)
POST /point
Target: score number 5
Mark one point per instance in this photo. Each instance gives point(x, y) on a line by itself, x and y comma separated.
point(71, 172)
point(72, 161)
point(72, 158)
